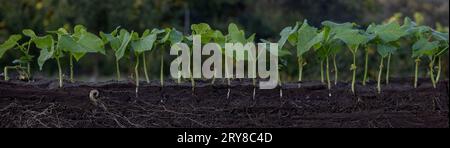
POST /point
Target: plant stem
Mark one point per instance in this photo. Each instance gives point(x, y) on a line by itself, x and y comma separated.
point(439, 69)
point(416, 73)
point(321, 72)
point(144, 63)
point(353, 68)
point(29, 69)
point(328, 73)
point(336, 71)
point(388, 68)
point(431, 66)
point(71, 68)
point(117, 70)
point(136, 72)
point(379, 76)
point(300, 69)
point(366, 67)
point(162, 71)
point(60, 73)
point(5, 72)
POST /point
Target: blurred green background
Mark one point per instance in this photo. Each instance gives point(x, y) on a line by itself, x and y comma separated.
point(266, 18)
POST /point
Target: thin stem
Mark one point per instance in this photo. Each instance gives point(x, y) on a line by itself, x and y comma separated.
point(336, 71)
point(379, 76)
point(328, 73)
point(439, 69)
point(162, 71)
point(117, 70)
point(136, 72)
point(431, 66)
point(29, 69)
point(5, 71)
point(353, 68)
point(366, 67)
point(71, 68)
point(300, 69)
point(321, 72)
point(144, 63)
point(416, 73)
point(388, 68)
point(60, 73)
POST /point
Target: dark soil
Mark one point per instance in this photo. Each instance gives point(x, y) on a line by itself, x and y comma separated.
point(42, 104)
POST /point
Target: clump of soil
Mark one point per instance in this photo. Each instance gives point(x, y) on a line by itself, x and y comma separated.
point(115, 104)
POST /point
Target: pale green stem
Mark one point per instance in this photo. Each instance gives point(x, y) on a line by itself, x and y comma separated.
point(321, 72)
point(144, 63)
point(439, 69)
point(5, 72)
point(416, 72)
point(328, 73)
point(60, 73)
point(431, 66)
point(117, 70)
point(300, 69)
point(379, 75)
point(29, 69)
point(71, 68)
point(354, 72)
point(336, 71)
point(162, 71)
point(136, 72)
point(388, 68)
point(366, 67)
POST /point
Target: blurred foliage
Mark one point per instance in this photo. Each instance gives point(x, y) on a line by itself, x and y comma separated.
point(264, 17)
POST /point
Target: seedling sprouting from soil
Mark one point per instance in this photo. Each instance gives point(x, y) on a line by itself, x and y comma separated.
point(140, 45)
point(353, 38)
point(238, 36)
point(287, 34)
point(171, 37)
point(119, 41)
point(79, 44)
point(385, 37)
point(23, 63)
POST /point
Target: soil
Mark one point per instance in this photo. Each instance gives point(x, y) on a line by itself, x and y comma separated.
point(42, 104)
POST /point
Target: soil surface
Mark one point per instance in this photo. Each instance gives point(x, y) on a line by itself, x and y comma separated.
point(42, 104)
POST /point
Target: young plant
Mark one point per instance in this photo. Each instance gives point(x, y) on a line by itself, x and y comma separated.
point(353, 38)
point(304, 39)
point(79, 44)
point(443, 48)
point(287, 34)
point(171, 37)
point(385, 37)
point(424, 45)
point(206, 33)
point(118, 41)
point(13, 43)
point(238, 36)
point(49, 49)
point(140, 46)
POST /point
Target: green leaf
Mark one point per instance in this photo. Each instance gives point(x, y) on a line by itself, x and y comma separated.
point(45, 54)
point(204, 30)
point(385, 49)
point(144, 44)
point(121, 43)
point(307, 38)
point(352, 37)
point(424, 47)
point(29, 33)
point(387, 32)
point(236, 35)
point(175, 36)
point(11, 42)
point(286, 33)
